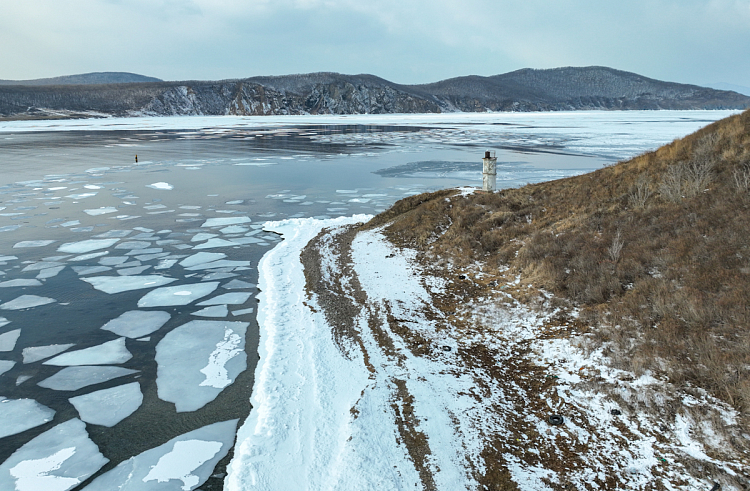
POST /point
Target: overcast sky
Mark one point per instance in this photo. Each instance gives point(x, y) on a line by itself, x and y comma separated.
point(405, 41)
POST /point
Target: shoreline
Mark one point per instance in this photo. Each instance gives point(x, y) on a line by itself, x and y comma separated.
point(415, 378)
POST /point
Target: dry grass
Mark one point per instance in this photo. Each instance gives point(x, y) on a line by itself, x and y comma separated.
point(655, 251)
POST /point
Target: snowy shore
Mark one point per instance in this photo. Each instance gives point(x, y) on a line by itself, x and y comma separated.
point(364, 382)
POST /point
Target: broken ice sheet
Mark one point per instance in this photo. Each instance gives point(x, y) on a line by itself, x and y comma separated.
point(111, 352)
point(19, 282)
point(8, 340)
point(118, 284)
point(85, 246)
point(214, 311)
point(108, 407)
point(234, 298)
point(57, 460)
point(177, 295)
point(212, 243)
point(183, 463)
point(36, 353)
point(197, 360)
point(137, 323)
point(225, 221)
point(101, 211)
point(237, 285)
point(26, 302)
point(165, 186)
point(6, 365)
point(33, 243)
point(49, 272)
point(201, 258)
point(74, 378)
point(20, 415)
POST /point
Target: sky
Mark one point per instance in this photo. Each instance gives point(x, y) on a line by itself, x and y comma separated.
point(404, 41)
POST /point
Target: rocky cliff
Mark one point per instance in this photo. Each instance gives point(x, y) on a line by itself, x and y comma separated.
point(332, 93)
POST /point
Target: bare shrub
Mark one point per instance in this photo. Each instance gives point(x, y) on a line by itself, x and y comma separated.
point(742, 178)
point(616, 247)
point(671, 183)
point(640, 193)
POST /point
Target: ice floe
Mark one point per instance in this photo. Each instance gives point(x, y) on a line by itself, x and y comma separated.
point(57, 460)
point(26, 302)
point(86, 270)
point(108, 407)
point(201, 258)
point(19, 282)
point(85, 246)
point(8, 340)
point(177, 295)
point(213, 243)
point(224, 221)
point(109, 353)
point(6, 365)
point(101, 211)
point(74, 378)
point(21, 414)
point(33, 243)
point(197, 360)
point(36, 353)
point(49, 272)
point(183, 463)
point(214, 311)
point(137, 323)
point(118, 284)
point(234, 298)
point(165, 186)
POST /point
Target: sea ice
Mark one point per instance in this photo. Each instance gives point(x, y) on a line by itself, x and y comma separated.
point(243, 311)
point(49, 272)
point(101, 211)
point(90, 255)
point(6, 365)
point(33, 243)
point(197, 360)
point(36, 353)
point(114, 234)
point(21, 379)
point(57, 460)
point(234, 229)
point(8, 340)
point(201, 258)
point(109, 353)
point(112, 260)
point(237, 285)
point(211, 243)
point(74, 378)
point(21, 414)
point(132, 271)
point(85, 246)
point(221, 263)
point(202, 236)
point(4, 321)
point(41, 265)
point(183, 463)
point(234, 298)
point(108, 407)
point(177, 295)
point(165, 264)
point(137, 323)
point(19, 282)
point(224, 221)
point(215, 311)
point(161, 185)
point(118, 284)
point(26, 302)
point(86, 270)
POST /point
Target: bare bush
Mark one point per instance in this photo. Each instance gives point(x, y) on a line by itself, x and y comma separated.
point(616, 247)
point(640, 193)
point(742, 178)
point(671, 183)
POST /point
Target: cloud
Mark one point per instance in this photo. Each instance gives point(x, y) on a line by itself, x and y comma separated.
point(407, 41)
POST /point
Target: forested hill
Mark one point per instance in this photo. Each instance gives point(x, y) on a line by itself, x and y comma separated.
point(85, 79)
point(586, 88)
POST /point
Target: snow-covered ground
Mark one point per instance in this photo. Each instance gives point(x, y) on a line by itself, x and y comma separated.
point(414, 397)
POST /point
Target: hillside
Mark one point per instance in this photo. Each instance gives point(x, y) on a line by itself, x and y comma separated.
point(645, 263)
point(86, 79)
point(331, 93)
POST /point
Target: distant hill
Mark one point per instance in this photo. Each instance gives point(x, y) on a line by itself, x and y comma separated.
point(740, 89)
point(559, 89)
point(86, 79)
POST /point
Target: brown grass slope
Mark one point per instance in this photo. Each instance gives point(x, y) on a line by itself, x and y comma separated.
point(654, 251)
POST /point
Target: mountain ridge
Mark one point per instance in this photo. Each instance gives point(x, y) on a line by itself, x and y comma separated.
point(557, 89)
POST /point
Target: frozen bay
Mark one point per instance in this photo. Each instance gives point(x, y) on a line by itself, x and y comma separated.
point(191, 214)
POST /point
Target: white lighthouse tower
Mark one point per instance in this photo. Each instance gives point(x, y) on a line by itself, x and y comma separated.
point(489, 172)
